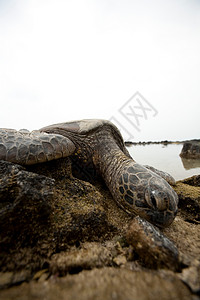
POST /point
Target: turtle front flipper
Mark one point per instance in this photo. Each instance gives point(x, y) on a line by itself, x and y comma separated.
point(162, 174)
point(29, 148)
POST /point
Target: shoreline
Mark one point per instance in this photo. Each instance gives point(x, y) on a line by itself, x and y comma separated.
point(165, 142)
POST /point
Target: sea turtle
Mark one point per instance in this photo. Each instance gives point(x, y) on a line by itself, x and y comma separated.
point(98, 144)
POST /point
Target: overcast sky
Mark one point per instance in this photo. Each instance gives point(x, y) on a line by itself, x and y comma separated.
point(66, 60)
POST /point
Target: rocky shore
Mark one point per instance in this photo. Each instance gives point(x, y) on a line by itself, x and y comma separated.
point(165, 142)
point(62, 237)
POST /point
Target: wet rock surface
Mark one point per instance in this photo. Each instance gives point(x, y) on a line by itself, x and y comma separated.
point(65, 238)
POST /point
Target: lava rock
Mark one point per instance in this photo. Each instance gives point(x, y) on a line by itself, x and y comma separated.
point(58, 169)
point(78, 215)
point(24, 205)
point(193, 181)
point(40, 216)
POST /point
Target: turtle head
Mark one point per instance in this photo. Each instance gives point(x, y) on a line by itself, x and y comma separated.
point(161, 201)
point(148, 195)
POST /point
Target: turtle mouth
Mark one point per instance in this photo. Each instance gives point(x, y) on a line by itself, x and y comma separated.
point(160, 219)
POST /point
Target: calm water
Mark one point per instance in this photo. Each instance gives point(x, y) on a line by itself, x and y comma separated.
point(166, 158)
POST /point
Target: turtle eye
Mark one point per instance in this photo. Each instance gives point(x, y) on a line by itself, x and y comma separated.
point(153, 200)
point(150, 198)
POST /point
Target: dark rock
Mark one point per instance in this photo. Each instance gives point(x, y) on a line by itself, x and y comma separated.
point(24, 205)
point(106, 283)
point(78, 214)
point(58, 169)
point(25, 210)
point(194, 180)
point(191, 149)
point(152, 246)
point(39, 217)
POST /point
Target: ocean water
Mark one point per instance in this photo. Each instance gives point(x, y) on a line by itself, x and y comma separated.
point(165, 158)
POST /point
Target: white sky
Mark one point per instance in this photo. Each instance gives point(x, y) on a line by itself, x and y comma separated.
point(66, 60)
